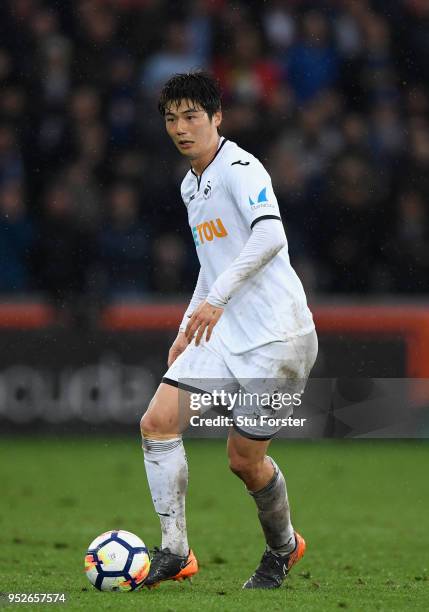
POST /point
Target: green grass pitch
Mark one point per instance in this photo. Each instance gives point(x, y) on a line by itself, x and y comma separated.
point(363, 507)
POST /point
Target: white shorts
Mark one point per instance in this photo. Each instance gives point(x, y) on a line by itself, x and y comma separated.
point(267, 371)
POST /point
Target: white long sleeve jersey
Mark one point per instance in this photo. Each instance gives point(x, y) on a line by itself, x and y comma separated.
point(232, 195)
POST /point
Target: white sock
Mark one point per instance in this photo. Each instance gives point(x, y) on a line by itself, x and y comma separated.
point(167, 475)
point(274, 514)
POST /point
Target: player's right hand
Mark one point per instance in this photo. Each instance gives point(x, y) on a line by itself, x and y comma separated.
point(177, 348)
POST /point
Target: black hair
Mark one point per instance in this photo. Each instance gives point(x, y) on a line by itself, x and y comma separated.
point(198, 87)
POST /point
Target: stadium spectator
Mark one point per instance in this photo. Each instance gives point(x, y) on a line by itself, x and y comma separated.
point(170, 256)
point(245, 75)
point(279, 22)
point(312, 62)
point(80, 184)
point(417, 170)
point(124, 245)
point(175, 55)
point(352, 218)
point(11, 163)
point(96, 25)
point(410, 251)
point(122, 104)
point(62, 252)
point(16, 240)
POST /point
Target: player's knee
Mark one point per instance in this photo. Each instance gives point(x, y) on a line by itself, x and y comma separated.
point(146, 424)
point(149, 422)
point(243, 467)
point(160, 420)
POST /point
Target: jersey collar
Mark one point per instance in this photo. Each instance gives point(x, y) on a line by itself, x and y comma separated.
point(222, 141)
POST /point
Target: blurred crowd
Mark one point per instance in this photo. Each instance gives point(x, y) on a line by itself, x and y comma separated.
point(332, 96)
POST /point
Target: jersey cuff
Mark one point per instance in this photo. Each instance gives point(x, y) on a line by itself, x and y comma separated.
point(255, 221)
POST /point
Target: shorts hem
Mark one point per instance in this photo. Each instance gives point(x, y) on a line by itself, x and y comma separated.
point(181, 386)
point(249, 436)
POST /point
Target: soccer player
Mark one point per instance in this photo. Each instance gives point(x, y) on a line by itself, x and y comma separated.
point(248, 319)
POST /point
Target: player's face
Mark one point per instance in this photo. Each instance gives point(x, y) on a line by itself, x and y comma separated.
point(191, 130)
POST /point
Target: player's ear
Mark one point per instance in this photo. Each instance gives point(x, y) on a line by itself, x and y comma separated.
point(217, 118)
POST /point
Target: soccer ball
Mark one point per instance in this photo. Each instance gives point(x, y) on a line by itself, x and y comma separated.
point(117, 561)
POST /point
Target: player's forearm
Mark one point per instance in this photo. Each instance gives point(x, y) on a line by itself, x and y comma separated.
point(267, 239)
point(200, 293)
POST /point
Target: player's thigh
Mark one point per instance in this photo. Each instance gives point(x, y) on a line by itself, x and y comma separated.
point(168, 412)
point(195, 369)
point(273, 377)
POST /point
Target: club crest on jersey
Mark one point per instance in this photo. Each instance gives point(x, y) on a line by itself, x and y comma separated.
point(262, 200)
point(207, 191)
point(208, 231)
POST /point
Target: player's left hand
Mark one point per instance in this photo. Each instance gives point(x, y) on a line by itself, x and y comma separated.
point(203, 318)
